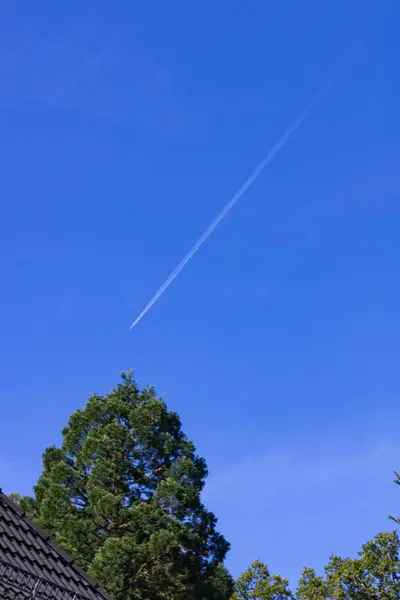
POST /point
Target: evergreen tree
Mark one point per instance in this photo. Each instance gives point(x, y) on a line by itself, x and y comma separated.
point(122, 496)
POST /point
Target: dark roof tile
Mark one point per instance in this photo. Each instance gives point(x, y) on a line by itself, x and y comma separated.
point(68, 559)
point(39, 530)
point(27, 554)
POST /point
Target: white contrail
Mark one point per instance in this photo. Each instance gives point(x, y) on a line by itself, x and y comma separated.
point(251, 179)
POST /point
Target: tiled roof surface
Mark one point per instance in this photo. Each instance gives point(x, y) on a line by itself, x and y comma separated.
point(28, 558)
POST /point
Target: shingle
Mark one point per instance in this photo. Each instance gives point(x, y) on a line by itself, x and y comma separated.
point(27, 549)
point(9, 593)
point(68, 559)
point(41, 532)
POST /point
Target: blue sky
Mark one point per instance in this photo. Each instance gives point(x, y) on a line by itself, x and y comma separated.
point(125, 129)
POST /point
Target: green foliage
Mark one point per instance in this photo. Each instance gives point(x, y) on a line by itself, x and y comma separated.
point(311, 586)
point(122, 496)
point(397, 482)
point(258, 584)
point(15, 497)
point(375, 575)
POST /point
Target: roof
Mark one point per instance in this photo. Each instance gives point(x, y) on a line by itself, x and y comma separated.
point(32, 566)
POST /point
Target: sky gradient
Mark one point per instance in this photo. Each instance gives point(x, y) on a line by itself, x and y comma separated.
point(125, 130)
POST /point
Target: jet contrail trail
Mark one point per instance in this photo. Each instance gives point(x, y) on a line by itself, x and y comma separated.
point(258, 170)
point(316, 99)
point(249, 181)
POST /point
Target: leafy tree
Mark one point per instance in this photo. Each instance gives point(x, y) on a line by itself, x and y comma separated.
point(258, 584)
point(311, 586)
point(397, 482)
point(15, 497)
point(122, 496)
point(375, 575)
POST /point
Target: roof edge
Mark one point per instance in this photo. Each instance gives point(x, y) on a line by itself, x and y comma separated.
point(63, 555)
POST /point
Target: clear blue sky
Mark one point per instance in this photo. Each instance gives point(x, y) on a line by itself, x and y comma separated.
point(125, 128)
